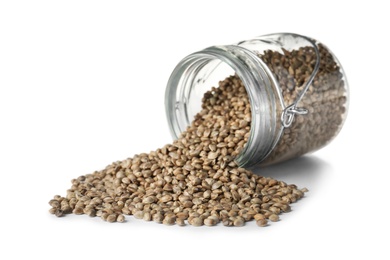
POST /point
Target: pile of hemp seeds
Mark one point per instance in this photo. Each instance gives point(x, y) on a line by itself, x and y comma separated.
point(195, 180)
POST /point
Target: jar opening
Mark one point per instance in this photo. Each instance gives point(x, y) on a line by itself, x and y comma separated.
point(199, 72)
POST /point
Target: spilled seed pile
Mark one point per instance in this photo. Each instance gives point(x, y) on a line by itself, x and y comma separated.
point(192, 181)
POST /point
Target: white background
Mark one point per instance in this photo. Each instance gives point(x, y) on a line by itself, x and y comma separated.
point(82, 85)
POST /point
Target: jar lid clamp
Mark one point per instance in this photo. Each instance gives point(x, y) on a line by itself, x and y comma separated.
point(290, 111)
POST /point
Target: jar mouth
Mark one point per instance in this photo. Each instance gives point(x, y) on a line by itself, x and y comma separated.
point(202, 70)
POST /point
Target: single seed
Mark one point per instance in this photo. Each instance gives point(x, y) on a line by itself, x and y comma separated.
point(212, 155)
point(261, 222)
point(120, 218)
point(54, 203)
point(180, 222)
point(111, 218)
point(158, 218)
point(78, 211)
point(59, 213)
point(90, 212)
point(273, 217)
point(149, 200)
point(197, 222)
point(227, 222)
point(166, 198)
point(239, 222)
point(259, 216)
point(169, 220)
point(104, 216)
point(147, 216)
point(139, 215)
point(210, 222)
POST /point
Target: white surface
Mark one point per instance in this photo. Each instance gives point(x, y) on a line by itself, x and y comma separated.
point(82, 84)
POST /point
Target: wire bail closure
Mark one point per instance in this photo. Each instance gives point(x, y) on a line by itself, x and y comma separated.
point(290, 111)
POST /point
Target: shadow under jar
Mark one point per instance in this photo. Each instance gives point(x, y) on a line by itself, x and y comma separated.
point(296, 86)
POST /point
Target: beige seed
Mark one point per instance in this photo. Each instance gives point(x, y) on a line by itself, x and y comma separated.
point(169, 220)
point(212, 155)
point(158, 218)
point(238, 222)
point(304, 190)
point(139, 214)
point(180, 222)
point(90, 212)
point(104, 216)
point(227, 222)
point(273, 217)
point(54, 203)
point(58, 213)
point(120, 218)
point(274, 210)
point(261, 222)
point(197, 222)
point(166, 198)
point(285, 208)
point(149, 200)
point(216, 185)
point(259, 216)
point(78, 211)
point(111, 218)
point(210, 222)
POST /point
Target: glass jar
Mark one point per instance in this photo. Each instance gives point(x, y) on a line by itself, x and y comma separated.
point(297, 90)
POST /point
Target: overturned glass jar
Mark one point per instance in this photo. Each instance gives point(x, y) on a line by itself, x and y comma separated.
point(297, 90)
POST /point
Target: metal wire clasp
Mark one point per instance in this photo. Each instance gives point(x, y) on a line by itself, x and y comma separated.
point(290, 111)
point(289, 114)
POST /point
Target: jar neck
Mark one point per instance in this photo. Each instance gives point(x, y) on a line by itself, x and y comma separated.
point(192, 74)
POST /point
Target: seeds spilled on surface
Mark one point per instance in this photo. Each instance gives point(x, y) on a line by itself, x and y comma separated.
point(194, 180)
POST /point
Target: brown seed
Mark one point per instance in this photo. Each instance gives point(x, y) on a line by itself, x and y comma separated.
point(158, 218)
point(216, 185)
point(104, 216)
point(78, 211)
point(166, 198)
point(90, 212)
point(139, 214)
point(227, 222)
point(180, 222)
point(111, 218)
point(147, 216)
point(58, 213)
point(210, 222)
point(182, 215)
point(66, 209)
point(197, 222)
point(285, 208)
point(120, 218)
point(239, 222)
point(304, 190)
point(54, 203)
point(273, 217)
point(149, 200)
point(261, 222)
point(212, 155)
point(274, 210)
point(259, 216)
point(169, 220)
